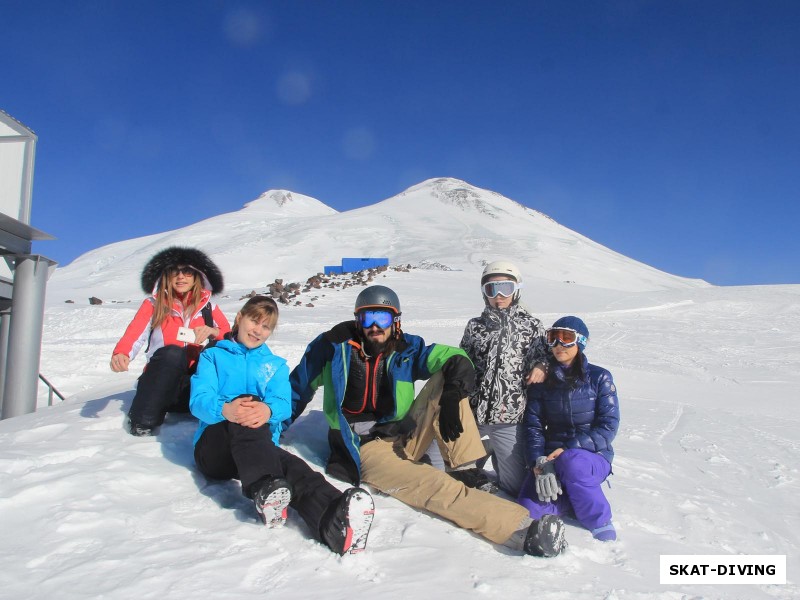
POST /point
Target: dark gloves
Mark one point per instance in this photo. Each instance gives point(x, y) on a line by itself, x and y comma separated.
point(449, 419)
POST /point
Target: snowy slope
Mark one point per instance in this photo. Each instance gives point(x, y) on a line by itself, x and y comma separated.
point(706, 459)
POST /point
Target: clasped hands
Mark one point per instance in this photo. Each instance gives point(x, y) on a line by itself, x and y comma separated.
point(247, 410)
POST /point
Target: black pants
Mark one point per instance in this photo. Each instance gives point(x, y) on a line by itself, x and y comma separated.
point(230, 451)
point(162, 388)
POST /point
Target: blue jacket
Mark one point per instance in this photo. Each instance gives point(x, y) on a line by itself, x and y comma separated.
point(584, 415)
point(326, 363)
point(230, 369)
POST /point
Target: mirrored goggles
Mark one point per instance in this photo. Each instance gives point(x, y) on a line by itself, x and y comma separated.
point(381, 318)
point(566, 337)
point(506, 288)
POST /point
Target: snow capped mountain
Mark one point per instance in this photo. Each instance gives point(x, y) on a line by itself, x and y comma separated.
point(288, 204)
point(438, 223)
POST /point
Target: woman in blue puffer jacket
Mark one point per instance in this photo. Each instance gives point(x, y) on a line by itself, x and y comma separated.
point(570, 421)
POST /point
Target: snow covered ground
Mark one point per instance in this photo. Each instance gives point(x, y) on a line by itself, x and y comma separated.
point(706, 459)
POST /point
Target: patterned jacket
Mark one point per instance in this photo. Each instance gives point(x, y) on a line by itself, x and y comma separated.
point(582, 414)
point(504, 345)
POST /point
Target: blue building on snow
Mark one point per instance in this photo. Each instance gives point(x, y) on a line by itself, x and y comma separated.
point(351, 265)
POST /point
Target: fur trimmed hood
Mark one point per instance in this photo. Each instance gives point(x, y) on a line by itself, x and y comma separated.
point(179, 255)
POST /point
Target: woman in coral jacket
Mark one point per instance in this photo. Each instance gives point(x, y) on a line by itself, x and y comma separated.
point(173, 324)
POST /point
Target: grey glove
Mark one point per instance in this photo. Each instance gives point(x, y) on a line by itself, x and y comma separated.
point(548, 487)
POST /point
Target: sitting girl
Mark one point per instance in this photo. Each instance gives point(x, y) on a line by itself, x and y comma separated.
point(570, 421)
point(172, 324)
point(241, 394)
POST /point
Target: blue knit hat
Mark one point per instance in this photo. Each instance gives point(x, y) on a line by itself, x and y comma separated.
point(575, 324)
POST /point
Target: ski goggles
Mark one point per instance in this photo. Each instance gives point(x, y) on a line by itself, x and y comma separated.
point(381, 318)
point(566, 337)
point(505, 288)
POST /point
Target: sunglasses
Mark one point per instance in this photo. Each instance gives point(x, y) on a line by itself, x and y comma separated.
point(381, 318)
point(505, 288)
point(187, 271)
point(566, 337)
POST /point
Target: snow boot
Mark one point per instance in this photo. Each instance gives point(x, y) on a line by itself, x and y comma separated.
point(138, 430)
point(605, 533)
point(347, 521)
point(545, 537)
point(272, 501)
point(475, 478)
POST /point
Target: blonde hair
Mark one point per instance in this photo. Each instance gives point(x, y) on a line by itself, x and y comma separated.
point(165, 298)
point(257, 308)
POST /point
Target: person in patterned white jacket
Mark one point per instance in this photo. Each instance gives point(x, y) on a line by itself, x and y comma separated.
point(506, 345)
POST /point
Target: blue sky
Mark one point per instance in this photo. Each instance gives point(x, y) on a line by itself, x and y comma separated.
point(666, 130)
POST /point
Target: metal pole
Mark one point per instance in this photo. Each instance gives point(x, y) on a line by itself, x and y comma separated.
point(5, 322)
point(25, 335)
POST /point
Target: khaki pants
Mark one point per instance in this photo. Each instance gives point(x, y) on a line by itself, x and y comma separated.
point(389, 465)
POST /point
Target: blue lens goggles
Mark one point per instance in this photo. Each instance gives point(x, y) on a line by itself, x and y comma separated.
point(381, 318)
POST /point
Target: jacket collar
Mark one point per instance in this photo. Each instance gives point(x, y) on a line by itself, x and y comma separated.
point(234, 347)
point(560, 373)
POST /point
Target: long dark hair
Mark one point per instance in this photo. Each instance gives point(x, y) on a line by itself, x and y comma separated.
point(574, 375)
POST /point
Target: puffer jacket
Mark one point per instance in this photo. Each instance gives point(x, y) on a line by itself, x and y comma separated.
point(504, 345)
point(230, 369)
point(584, 414)
point(139, 333)
point(326, 363)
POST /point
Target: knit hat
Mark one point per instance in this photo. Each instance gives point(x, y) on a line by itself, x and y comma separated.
point(177, 256)
point(575, 324)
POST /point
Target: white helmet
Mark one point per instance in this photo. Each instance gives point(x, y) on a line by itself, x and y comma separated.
point(502, 267)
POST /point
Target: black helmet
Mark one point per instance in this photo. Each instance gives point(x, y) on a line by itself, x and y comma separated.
point(378, 296)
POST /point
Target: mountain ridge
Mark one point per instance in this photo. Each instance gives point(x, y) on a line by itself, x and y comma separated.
point(443, 221)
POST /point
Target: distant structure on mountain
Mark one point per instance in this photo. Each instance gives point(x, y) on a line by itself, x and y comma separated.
point(351, 265)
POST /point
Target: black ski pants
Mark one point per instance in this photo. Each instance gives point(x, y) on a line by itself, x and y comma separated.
point(228, 450)
point(162, 388)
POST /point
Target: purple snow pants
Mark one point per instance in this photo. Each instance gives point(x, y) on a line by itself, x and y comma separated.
point(580, 472)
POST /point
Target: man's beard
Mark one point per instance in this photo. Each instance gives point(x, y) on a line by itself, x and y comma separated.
point(373, 348)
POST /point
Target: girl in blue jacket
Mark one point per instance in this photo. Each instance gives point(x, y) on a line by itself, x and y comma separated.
point(241, 394)
point(570, 421)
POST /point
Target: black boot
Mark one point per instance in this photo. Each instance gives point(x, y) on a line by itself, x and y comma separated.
point(272, 497)
point(546, 537)
point(139, 430)
point(475, 478)
point(346, 523)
